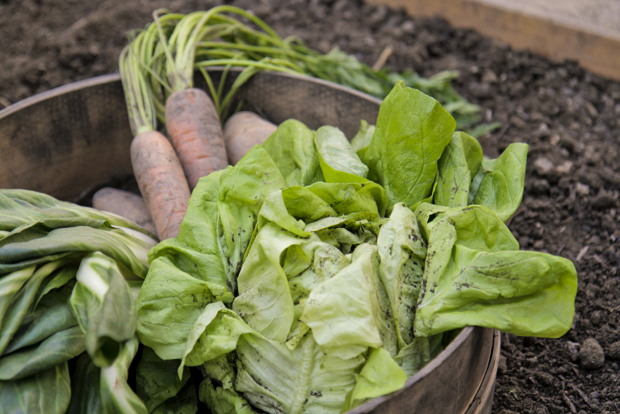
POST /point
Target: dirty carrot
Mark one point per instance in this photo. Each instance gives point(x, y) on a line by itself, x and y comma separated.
point(154, 161)
point(196, 133)
point(125, 204)
point(243, 131)
point(191, 117)
point(161, 181)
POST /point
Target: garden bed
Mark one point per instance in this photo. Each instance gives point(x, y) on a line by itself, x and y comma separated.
point(569, 117)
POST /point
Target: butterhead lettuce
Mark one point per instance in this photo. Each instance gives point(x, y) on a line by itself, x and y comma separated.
point(315, 274)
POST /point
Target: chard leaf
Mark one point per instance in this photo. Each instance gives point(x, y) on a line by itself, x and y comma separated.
point(475, 275)
point(339, 163)
point(293, 150)
point(24, 207)
point(85, 386)
point(24, 300)
point(411, 134)
point(499, 183)
point(46, 321)
point(114, 243)
point(116, 395)
point(160, 388)
point(456, 168)
point(362, 139)
point(61, 277)
point(55, 350)
point(47, 392)
point(104, 308)
point(10, 286)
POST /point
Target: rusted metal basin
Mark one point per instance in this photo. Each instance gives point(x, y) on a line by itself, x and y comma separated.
point(71, 139)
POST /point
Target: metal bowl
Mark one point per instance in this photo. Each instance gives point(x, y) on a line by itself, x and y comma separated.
point(73, 138)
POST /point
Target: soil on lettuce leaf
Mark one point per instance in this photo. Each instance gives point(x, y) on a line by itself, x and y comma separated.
point(568, 116)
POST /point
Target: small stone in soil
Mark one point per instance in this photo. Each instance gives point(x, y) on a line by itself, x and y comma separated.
point(543, 166)
point(614, 350)
point(582, 189)
point(591, 355)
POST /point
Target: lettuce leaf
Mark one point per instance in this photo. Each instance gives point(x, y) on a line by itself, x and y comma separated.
point(411, 133)
point(457, 167)
point(499, 183)
point(475, 275)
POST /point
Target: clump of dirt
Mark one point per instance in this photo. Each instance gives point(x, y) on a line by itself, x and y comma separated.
point(568, 116)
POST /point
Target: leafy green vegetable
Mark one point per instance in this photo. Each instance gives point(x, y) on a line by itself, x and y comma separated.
point(85, 396)
point(316, 274)
point(411, 134)
point(53, 351)
point(457, 167)
point(475, 274)
point(116, 395)
point(103, 306)
point(292, 149)
point(371, 381)
point(362, 139)
point(46, 392)
point(160, 388)
point(340, 164)
point(498, 183)
point(61, 295)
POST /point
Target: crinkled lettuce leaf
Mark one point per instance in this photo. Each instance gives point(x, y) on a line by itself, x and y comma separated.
point(292, 149)
point(339, 163)
point(402, 251)
point(349, 312)
point(362, 138)
point(499, 183)
point(381, 375)
point(456, 169)
point(475, 275)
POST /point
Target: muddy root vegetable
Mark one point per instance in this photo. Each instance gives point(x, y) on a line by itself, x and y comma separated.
point(125, 204)
point(196, 134)
point(161, 181)
point(244, 130)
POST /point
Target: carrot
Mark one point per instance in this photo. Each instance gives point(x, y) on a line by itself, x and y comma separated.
point(125, 204)
point(194, 129)
point(244, 130)
point(161, 181)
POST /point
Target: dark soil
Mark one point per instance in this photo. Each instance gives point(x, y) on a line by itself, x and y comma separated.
point(568, 116)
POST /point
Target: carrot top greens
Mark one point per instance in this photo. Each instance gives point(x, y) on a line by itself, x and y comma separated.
point(176, 45)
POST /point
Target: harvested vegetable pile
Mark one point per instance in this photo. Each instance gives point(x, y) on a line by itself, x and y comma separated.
point(312, 277)
point(69, 276)
point(567, 115)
